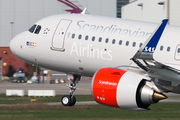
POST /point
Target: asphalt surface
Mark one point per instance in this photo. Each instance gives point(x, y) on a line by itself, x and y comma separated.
point(55, 103)
point(82, 88)
point(84, 102)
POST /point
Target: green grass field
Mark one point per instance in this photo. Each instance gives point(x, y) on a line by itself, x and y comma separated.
point(161, 111)
point(40, 111)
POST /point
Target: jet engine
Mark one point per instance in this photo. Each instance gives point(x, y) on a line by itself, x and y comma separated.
point(123, 89)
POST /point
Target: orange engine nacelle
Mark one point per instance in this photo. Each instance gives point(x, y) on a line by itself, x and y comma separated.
point(122, 89)
point(105, 84)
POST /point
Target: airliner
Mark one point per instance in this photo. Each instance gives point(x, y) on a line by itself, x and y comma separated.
point(132, 63)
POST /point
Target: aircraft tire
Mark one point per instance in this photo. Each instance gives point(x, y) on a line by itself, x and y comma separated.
point(73, 101)
point(66, 100)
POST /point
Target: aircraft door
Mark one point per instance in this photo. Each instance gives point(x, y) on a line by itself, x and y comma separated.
point(177, 53)
point(59, 35)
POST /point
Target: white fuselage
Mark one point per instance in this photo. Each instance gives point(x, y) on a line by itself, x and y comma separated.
point(81, 44)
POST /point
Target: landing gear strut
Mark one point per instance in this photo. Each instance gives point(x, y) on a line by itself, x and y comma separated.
point(70, 100)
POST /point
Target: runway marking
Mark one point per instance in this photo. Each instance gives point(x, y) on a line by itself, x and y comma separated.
point(77, 88)
point(83, 89)
point(59, 74)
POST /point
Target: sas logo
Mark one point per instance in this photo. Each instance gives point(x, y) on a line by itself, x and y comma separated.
point(149, 49)
point(31, 44)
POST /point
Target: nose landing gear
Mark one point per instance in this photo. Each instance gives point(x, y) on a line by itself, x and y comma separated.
point(70, 100)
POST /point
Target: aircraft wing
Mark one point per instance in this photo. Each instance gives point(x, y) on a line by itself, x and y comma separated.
point(164, 76)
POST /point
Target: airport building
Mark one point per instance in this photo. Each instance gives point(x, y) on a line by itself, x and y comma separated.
point(153, 11)
point(120, 4)
point(8, 58)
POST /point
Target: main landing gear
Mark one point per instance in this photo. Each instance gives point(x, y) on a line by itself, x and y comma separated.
point(70, 100)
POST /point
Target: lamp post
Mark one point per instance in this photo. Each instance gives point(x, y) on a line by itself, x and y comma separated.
point(12, 23)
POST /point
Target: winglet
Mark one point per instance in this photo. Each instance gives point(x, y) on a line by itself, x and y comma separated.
point(147, 49)
point(154, 39)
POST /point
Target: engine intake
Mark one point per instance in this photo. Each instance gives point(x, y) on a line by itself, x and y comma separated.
point(123, 89)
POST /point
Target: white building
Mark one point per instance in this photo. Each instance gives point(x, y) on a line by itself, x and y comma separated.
point(153, 11)
point(17, 16)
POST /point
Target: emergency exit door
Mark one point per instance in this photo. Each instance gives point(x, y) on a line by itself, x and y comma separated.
point(59, 34)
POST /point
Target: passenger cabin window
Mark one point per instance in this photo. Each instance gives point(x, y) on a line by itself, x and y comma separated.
point(73, 36)
point(168, 49)
point(86, 38)
point(100, 39)
point(140, 44)
point(32, 28)
point(113, 41)
point(134, 44)
point(80, 36)
point(107, 40)
point(161, 48)
point(120, 42)
point(93, 38)
point(127, 43)
point(37, 29)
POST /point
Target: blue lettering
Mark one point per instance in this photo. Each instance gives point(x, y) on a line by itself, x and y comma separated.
point(113, 30)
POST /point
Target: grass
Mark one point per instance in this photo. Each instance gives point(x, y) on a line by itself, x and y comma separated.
point(25, 100)
point(40, 111)
point(161, 111)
